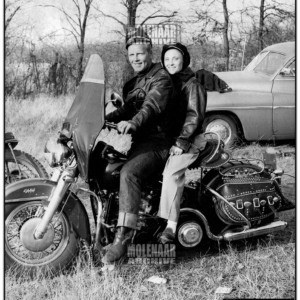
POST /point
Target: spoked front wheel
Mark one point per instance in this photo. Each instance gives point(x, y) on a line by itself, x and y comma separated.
point(53, 252)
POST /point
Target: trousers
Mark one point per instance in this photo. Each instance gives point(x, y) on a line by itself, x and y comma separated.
point(173, 183)
point(146, 158)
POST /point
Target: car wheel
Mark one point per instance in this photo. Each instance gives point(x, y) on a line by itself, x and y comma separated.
point(225, 127)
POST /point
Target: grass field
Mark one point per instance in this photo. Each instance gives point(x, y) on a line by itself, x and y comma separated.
point(257, 268)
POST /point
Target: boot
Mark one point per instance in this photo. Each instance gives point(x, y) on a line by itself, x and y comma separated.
point(167, 236)
point(119, 246)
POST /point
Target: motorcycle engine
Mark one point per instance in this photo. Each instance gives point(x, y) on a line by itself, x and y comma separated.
point(149, 201)
point(148, 208)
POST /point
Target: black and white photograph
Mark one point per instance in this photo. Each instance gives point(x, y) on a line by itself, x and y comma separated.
point(149, 149)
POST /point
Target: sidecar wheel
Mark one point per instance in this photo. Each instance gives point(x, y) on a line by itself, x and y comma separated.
point(189, 234)
point(49, 255)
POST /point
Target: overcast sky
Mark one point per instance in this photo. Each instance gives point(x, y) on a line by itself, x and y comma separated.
point(46, 20)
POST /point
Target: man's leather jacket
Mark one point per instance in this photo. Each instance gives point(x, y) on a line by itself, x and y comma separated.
point(193, 99)
point(148, 104)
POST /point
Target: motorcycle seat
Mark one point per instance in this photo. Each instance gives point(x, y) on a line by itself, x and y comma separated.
point(9, 138)
point(209, 149)
point(211, 157)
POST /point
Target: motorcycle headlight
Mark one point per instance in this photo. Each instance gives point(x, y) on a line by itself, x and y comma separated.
point(55, 152)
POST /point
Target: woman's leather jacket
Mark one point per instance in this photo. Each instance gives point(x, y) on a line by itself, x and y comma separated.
point(193, 100)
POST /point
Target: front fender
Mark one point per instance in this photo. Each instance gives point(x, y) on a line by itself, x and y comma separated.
point(41, 189)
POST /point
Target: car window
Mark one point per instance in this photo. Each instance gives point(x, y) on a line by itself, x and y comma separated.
point(290, 70)
point(270, 63)
point(256, 60)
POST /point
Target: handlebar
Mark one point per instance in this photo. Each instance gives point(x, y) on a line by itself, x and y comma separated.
point(110, 125)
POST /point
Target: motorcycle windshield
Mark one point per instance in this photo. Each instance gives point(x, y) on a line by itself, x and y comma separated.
point(86, 116)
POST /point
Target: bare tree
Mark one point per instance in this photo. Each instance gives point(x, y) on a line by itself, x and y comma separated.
point(129, 19)
point(261, 24)
point(17, 42)
point(78, 23)
point(207, 15)
point(225, 34)
point(134, 11)
point(11, 8)
point(270, 11)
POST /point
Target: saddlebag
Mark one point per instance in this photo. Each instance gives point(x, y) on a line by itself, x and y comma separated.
point(256, 198)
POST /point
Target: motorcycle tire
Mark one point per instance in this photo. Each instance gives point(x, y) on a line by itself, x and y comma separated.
point(50, 255)
point(29, 166)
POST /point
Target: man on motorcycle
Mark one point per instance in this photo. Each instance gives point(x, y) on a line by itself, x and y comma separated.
point(147, 114)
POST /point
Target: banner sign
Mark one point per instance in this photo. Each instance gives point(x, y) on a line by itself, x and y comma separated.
point(160, 34)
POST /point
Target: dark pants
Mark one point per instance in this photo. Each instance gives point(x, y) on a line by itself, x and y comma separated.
point(146, 158)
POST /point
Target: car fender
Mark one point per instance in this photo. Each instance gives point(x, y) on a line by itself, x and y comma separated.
point(41, 189)
point(236, 103)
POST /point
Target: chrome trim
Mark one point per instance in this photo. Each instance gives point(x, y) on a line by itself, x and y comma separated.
point(272, 227)
point(13, 154)
point(284, 106)
point(26, 199)
point(93, 80)
point(54, 201)
point(256, 202)
point(217, 148)
point(183, 234)
point(291, 78)
point(98, 222)
point(270, 200)
point(239, 204)
point(203, 218)
point(223, 199)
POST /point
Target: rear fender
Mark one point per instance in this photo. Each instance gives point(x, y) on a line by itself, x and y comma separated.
point(202, 219)
point(41, 189)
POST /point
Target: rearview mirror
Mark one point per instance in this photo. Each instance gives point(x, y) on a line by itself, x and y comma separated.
point(285, 71)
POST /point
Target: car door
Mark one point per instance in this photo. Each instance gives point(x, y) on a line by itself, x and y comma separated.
point(284, 100)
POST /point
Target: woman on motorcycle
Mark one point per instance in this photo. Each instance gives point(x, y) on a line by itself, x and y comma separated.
point(190, 116)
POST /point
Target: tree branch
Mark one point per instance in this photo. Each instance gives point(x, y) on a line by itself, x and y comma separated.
point(109, 16)
point(10, 18)
point(159, 16)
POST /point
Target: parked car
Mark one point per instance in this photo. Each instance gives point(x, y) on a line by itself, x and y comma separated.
point(261, 105)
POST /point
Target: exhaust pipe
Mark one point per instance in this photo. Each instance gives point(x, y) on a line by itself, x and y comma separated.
point(230, 235)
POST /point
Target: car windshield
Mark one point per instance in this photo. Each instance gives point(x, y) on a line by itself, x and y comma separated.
point(266, 63)
point(255, 61)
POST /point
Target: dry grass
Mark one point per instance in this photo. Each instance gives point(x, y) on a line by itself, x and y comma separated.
point(34, 121)
point(260, 268)
point(265, 272)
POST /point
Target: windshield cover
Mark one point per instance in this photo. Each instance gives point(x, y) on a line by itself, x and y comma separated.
point(86, 116)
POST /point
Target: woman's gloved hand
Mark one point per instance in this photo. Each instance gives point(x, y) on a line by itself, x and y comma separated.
point(176, 151)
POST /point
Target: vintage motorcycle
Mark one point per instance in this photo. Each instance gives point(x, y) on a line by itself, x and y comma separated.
point(19, 164)
point(46, 223)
